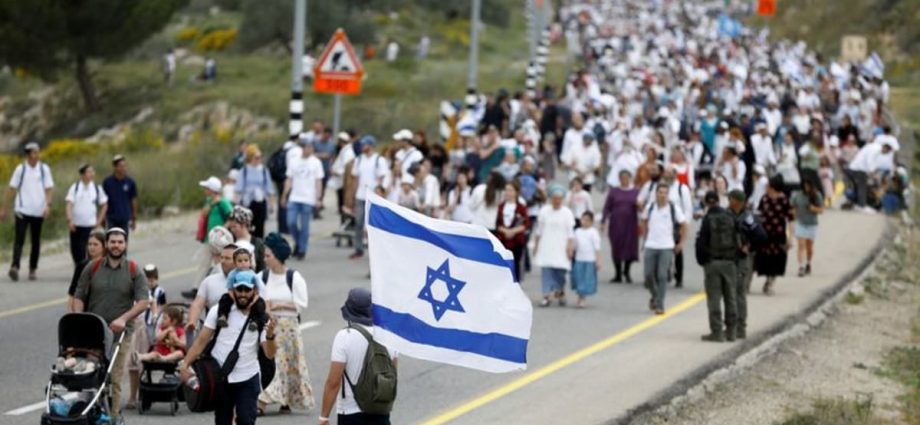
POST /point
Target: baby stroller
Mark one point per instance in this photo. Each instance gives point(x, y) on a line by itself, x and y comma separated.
point(159, 381)
point(78, 392)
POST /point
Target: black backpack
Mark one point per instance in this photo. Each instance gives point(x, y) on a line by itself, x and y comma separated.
point(724, 240)
point(375, 389)
point(277, 164)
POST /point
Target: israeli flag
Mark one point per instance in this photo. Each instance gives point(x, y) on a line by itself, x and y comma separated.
point(444, 291)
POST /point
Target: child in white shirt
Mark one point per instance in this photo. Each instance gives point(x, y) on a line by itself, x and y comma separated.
point(587, 259)
point(578, 199)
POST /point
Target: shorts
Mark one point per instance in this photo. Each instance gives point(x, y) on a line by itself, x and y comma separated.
point(140, 343)
point(806, 231)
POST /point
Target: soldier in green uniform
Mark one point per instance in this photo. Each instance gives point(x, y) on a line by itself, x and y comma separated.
point(750, 233)
point(717, 246)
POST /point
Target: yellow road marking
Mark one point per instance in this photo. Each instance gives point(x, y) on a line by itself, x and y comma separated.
point(561, 363)
point(59, 301)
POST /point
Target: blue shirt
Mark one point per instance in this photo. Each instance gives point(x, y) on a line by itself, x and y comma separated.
point(326, 146)
point(120, 194)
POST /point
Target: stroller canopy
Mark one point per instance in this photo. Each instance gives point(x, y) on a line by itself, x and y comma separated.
point(85, 331)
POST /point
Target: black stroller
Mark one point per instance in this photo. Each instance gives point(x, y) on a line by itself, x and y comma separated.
point(78, 392)
point(159, 381)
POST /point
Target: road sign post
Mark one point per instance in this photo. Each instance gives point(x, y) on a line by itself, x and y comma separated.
point(338, 72)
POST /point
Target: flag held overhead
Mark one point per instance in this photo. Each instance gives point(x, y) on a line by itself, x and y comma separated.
point(444, 291)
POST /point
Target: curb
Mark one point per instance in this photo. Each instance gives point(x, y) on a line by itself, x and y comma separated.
point(706, 378)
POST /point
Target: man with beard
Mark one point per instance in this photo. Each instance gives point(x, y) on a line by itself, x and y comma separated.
point(113, 288)
point(242, 385)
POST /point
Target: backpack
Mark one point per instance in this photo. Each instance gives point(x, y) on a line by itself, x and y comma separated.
point(723, 236)
point(375, 389)
point(211, 375)
point(277, 164)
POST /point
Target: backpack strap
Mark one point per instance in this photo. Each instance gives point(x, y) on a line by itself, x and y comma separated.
point(289, 277)
point(95, 267)
point(370, 340)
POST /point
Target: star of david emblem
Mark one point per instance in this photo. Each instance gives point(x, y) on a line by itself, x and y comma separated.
point(451, 302)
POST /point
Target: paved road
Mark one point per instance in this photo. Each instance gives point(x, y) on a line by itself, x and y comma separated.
point(586, 366)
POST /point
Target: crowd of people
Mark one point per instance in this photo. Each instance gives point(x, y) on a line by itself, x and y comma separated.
point(672, 121)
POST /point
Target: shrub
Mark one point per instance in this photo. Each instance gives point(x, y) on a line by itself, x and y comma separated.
point(187, 34)
point(68, 149)
point(217, 40)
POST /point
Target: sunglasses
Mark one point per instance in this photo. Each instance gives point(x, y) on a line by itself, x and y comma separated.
point(243, 289)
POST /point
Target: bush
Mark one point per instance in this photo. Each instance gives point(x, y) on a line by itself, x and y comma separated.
point(217, 40)
point(68, 149)
point(187, 34)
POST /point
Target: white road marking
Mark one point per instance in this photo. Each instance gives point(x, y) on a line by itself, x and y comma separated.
point(307, 325)
point(37, 406)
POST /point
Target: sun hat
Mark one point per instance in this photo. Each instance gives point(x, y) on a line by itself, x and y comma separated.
point(357, 307)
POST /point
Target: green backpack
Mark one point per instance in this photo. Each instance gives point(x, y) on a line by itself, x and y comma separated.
point(723, 236)
point(375, 390)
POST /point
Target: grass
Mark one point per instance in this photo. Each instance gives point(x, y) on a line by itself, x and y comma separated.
point(854, 299)
point(859, 411)
point(903, 365)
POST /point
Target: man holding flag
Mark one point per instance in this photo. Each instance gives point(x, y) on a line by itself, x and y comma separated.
point(442, 291)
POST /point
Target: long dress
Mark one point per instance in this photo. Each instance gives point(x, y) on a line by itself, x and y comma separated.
point(770, 259)
point(622, 223)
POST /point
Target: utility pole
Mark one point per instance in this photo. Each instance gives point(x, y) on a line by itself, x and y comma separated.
point(296, 105)
point(474, 46)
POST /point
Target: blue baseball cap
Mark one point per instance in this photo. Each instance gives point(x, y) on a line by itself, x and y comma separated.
point(242, 278)
point(368, 141)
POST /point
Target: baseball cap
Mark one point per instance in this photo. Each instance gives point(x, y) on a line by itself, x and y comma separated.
point(403, 134)
point(212, 184)
point(31, 146)
point(368, 141)
point(344, 136)
point(242, 278)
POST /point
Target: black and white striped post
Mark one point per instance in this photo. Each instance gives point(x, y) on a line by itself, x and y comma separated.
point(295, 107)
point(531, 81)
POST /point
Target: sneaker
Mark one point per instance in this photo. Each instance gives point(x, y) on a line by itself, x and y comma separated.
point(544, 303)
point(14, 274)
point(808, 269)
point(801, 272)
point(32, 275)
point(617, 279)
point(356, 256)
point(659, 312)
point(740, 333)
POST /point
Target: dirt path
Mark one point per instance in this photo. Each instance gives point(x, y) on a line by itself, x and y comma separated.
point(841, 359)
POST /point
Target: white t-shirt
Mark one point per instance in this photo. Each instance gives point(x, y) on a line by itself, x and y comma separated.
point(584, 160)
point(248, 364)
point(294, 152)
point(660, 227)
point(736, 181)
point(277, 290)
point(461, 204)
point(369, 169)
point(30, 186)
point(349, 347)
point(304, 173)
point(212, 288)
point(484, 215)
point(579, 203)
point(587, 244)
point(407, 157)
point(555, 228)
point(86, 199)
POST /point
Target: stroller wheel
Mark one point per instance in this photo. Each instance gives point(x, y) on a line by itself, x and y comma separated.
point(174, 407)
point(140, 404)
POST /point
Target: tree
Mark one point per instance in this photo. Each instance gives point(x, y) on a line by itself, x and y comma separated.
point(267, 23)
point(45, 36)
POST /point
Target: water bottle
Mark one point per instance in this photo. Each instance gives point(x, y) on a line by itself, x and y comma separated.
point(193, 384)
point(104, 419)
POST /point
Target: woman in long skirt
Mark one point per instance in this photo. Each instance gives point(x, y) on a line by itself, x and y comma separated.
point(776, 212)
point(621, 219)
point(291, 386)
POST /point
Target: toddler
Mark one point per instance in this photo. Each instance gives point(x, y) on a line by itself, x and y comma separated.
point(242, 259)
point(587, 259)
point(578, 199)
point(170, 338)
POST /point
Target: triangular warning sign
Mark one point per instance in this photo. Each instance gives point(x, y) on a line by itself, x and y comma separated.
point(339, 59)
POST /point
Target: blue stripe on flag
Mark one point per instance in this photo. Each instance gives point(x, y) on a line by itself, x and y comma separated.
point(466, 247)
point(497, 346)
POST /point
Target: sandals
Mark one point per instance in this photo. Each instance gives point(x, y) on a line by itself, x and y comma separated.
point(285, 410)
